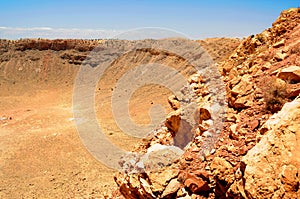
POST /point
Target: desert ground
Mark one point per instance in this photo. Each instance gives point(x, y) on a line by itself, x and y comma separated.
point(42, 155)
point(255, 156)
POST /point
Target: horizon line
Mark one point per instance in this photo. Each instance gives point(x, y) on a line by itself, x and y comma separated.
point(16, 33)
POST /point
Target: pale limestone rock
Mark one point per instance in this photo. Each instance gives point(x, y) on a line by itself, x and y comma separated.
point(222, 169)
point(272, 166)
point(279, 56)
point(159, 180)
point(279, 44)
point(291, 73)
point(171, 188)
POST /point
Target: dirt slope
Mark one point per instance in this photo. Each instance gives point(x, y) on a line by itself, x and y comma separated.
point(220, 48)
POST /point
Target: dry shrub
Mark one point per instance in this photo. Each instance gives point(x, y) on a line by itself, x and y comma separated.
point(295, 50)
point(275, 94)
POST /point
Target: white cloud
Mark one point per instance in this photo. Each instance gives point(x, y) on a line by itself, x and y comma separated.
point(54, 33)
point(75, 33)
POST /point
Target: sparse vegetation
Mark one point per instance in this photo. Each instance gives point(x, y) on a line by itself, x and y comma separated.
point(261, 38)
point(295, 50)
point(275, 94)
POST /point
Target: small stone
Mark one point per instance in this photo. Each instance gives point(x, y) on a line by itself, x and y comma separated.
point(196, 185)
point(196, 78)
point(146, 186)
point(231, 117)
point(202, 173)
point(294, 92)
point(222, 169)
point(233, 133)
point(244, 102)
point(173, 121)
point(279, 44)
point(204, 114)
point(207, 134)
point(159, 180)
point(266, 66)
point(140, 165)
point(254, 124)
point(188, 157)
point(280, 56)
point(171, 188)
point(194, 86)
point(174, 102)
point(204, 126)
point(185, 197)
point(206, 153)
point(289, 176)
point(243, 150)
point(195, 149)
point(181, 193)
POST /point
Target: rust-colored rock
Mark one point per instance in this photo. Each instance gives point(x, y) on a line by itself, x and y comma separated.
point(204, 114)
point(254, 125)
point(196, 184)
point(173, 121)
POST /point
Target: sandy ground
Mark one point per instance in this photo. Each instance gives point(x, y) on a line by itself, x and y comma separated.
point(41, 153)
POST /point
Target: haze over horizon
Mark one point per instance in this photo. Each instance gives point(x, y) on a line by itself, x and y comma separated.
point(104, 19)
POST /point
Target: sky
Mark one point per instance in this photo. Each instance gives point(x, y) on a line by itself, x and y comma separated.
point(89, 19)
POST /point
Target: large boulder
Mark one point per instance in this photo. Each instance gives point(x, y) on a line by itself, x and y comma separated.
point(272, 166)
point(291, 73)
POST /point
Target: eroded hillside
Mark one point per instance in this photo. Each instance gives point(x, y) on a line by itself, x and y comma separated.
point(257, 153)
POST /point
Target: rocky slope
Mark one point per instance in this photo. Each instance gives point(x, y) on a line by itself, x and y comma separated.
point(257, 153)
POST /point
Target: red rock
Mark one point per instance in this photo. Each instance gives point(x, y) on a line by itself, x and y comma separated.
point(254, 124)
point(222, 169)
point(204, 114)
point(271, 170)
point(173, 121)
point(294, 92)
point(196, 185)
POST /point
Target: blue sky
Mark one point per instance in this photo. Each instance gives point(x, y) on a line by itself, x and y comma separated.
point(91, 18)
